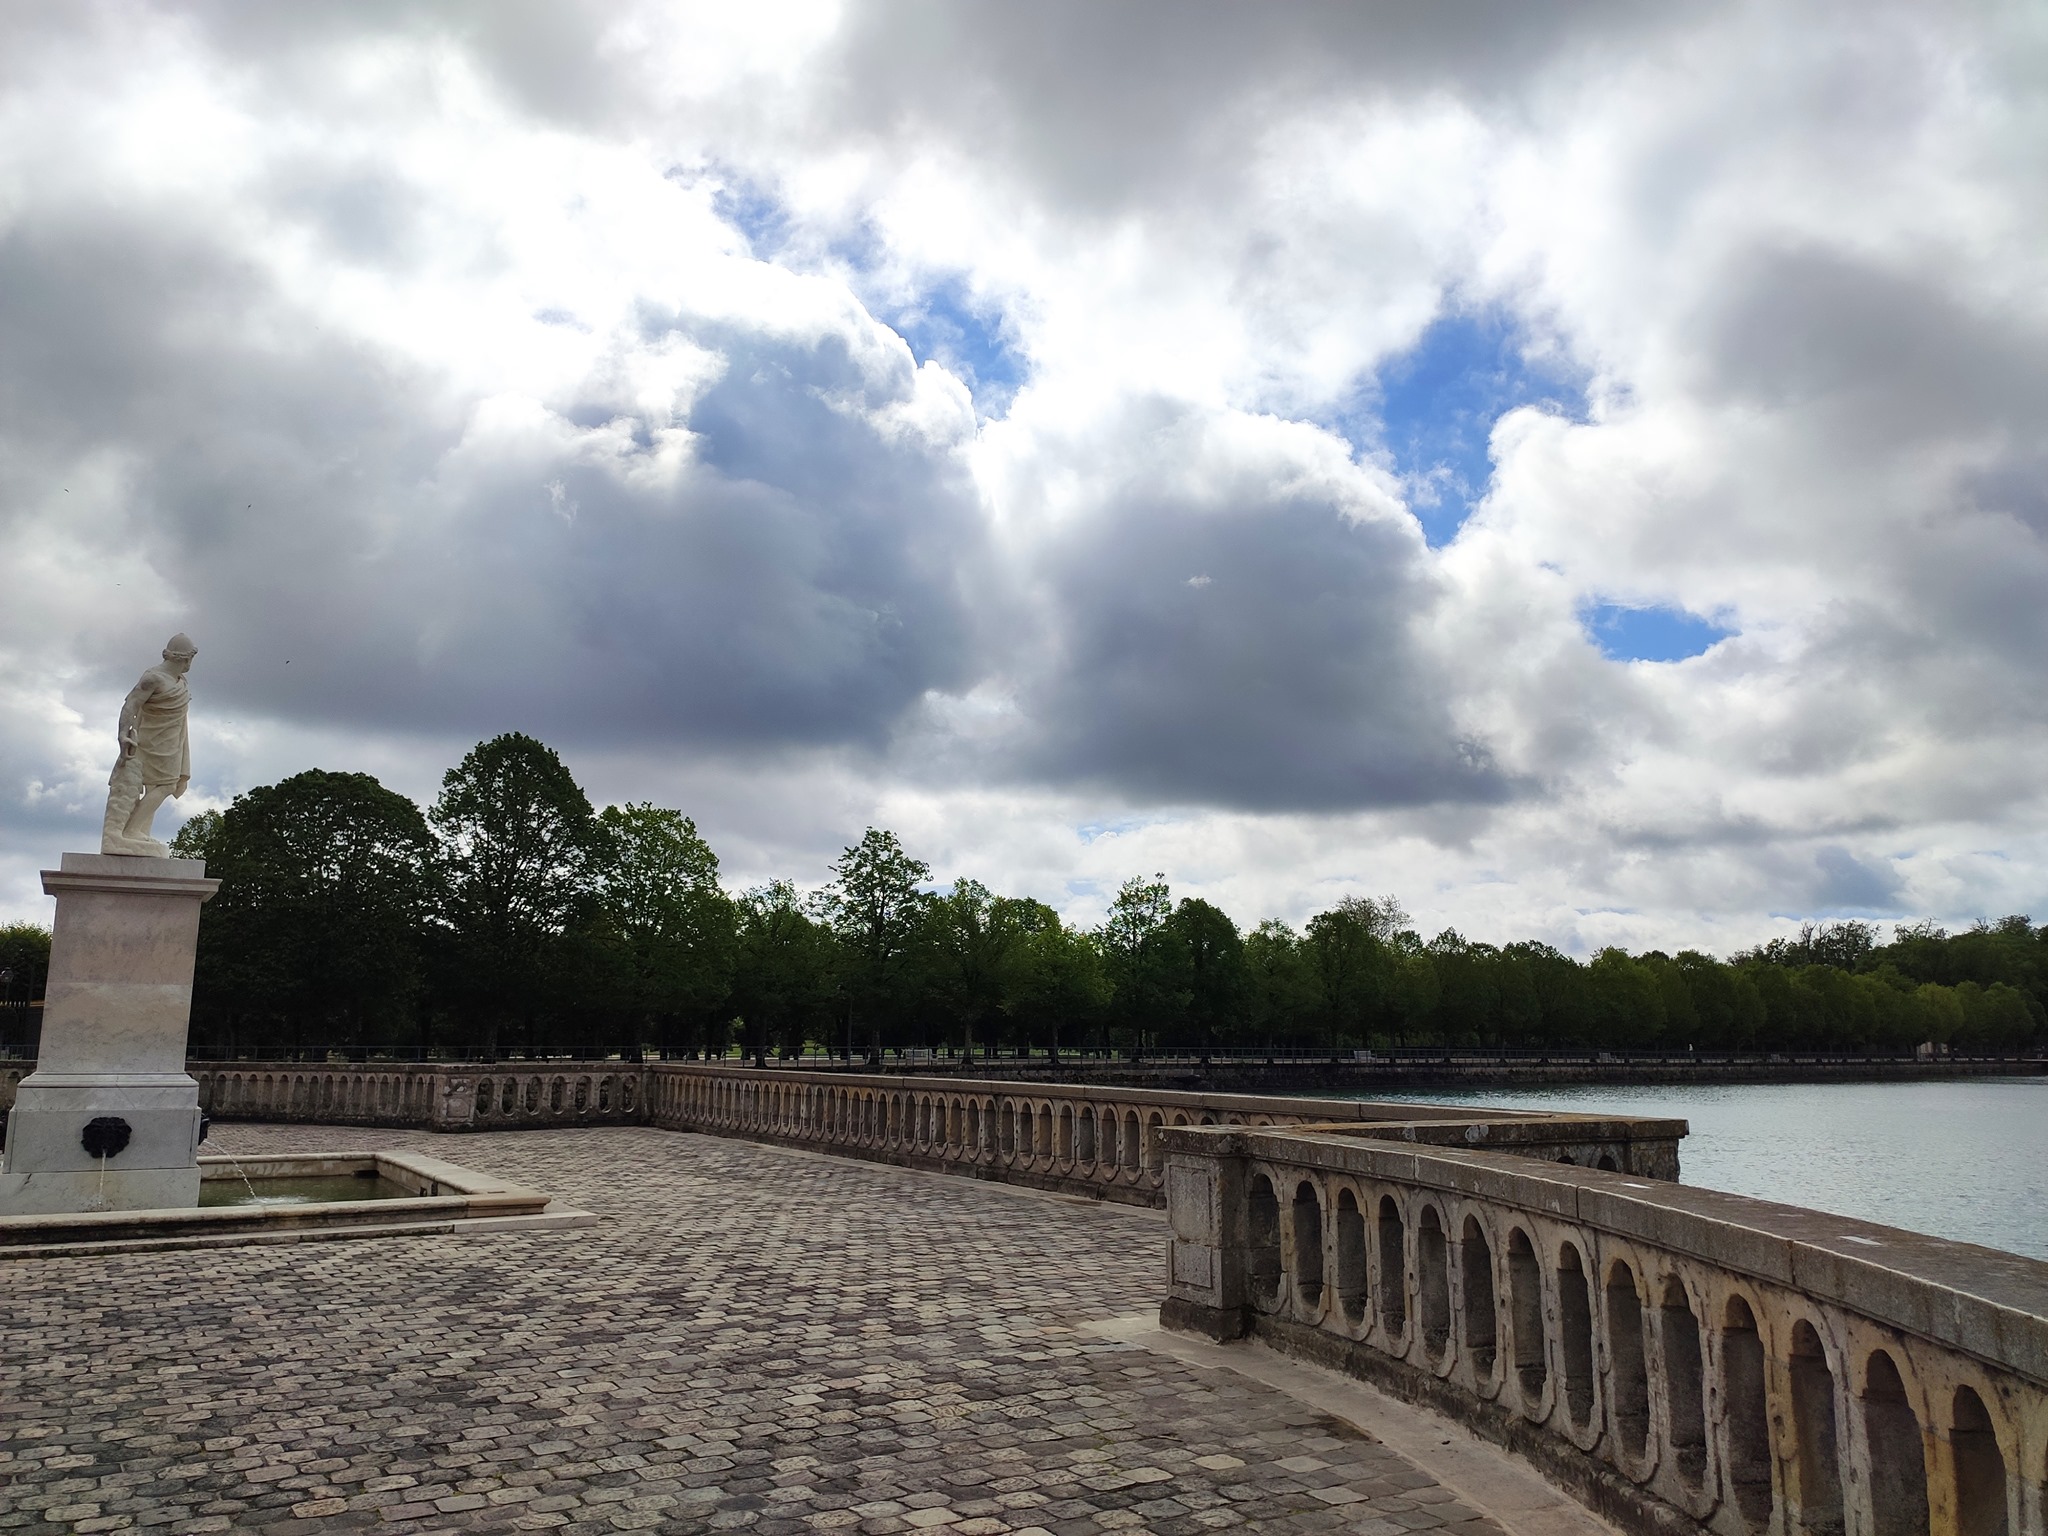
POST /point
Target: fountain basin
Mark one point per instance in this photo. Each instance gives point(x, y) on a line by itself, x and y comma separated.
point(308, 1189)
point(290, 1198)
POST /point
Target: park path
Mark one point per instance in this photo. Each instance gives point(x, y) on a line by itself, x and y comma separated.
point(753, 1338)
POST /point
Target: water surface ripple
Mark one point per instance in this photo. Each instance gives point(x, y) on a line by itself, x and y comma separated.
point(1962, 1158)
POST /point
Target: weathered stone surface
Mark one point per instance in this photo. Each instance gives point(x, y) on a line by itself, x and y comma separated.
point(756, 1339)
point(113, 1042)
point(1679, 1358)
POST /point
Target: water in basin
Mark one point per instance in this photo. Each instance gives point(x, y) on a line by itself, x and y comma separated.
point(315, 1190)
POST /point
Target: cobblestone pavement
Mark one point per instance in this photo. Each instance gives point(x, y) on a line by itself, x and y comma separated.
point(753, 1339)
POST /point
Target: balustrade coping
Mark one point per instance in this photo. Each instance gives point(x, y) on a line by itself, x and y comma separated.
point(1350, 1110)
point(1982, 1301)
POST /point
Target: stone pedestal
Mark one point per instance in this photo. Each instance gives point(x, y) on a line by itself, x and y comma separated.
point(115, 1017)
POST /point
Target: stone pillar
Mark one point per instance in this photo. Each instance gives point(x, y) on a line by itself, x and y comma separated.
point(1208, 1256)
point(111, 1072)
point(454, 1106)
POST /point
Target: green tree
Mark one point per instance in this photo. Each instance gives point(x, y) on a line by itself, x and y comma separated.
point(1144, 959)
point(24, 968)
point(782, 972)
point(975, 938)
point(314, 938)
point(657, 882)
point(1414, 989)
point(1053, 978)
point(1211, 953)
point(519, 840)
point(1347, 951)
point(1626, 1003)
point(1280, 989)
point(879, 913)
point(1468, 980)
point(193, 837)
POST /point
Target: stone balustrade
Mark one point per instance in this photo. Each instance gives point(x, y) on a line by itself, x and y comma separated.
point(441, 1096)
point(1680, 1359)
point(1091, 1139)
point(1077, 1139)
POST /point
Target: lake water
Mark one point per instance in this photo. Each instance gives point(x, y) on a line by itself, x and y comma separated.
point(1959, 1158)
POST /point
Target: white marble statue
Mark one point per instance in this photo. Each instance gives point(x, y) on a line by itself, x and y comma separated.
point(156, 754)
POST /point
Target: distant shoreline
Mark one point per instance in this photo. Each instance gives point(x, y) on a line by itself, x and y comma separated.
point(1359, 1077)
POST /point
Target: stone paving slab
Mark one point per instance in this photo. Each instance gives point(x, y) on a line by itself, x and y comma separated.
point(753, 1339)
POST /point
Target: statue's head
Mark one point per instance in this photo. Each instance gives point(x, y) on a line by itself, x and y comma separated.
point(179, 651)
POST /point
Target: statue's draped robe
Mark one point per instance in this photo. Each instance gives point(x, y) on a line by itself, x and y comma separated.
point(162, 748)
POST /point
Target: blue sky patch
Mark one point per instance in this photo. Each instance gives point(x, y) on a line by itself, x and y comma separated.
point(1649, 634)
point(945, 325)
point(1437, 403)
point(755, 213)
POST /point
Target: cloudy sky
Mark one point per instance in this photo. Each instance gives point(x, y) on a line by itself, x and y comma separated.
point(1581, 467)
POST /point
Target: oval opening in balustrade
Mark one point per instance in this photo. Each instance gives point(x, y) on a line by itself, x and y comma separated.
point(1307, 1219)
point(1817, 1462)
point(1351, 1284)
point(1678, 1330)
point(1066, 1141)
point(1893, 1446)
point(1525, 1286)
point(1475, 1266)
point(1433, 1282)
point(1084, 1147)
point(1575, 1330)
point(1980, 1468)
point(1134, 1144)
point(1628, 1369)
point(1747, 1412)
point(1263, 1230)
point(1044, 1142)
point(1393, 1245)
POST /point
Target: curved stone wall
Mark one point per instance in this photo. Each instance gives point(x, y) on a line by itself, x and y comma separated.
point(1681, 1359)
point(1093, 1140)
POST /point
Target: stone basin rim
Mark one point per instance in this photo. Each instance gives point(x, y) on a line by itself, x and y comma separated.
point(444, 1195)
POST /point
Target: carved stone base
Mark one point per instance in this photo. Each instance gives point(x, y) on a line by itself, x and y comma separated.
point(116, 845)
point(115, 1018)
point(1219, 1323)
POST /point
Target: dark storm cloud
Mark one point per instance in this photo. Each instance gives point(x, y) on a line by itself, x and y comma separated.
point(804, 583)
point(1249, 646)
point(549, 56)
point(1887, 354)
point(1880, 371)
point(1098, 103)
point(1852, 887)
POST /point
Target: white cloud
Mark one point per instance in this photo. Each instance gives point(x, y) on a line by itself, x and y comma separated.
point(461, 369)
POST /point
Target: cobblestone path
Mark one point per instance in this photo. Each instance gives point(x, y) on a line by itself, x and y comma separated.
point(753, 1339)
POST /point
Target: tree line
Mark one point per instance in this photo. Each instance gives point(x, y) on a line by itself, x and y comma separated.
point(511, 917)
